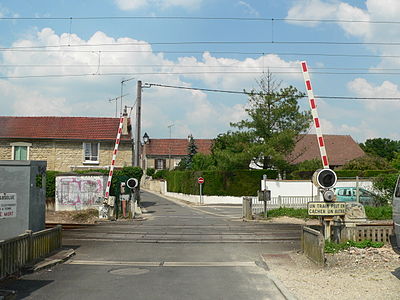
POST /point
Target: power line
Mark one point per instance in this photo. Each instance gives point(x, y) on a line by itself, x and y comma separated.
point(202, 52)
point(331, 43)
point(190, 73)
point(216, 18)
point(249, 93)
point(233, 66)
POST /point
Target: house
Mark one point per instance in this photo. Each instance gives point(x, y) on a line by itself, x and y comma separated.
point(340, 149)
point(167, 153)
point(66, 143)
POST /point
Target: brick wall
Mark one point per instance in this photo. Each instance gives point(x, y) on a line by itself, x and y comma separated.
point(65, 155)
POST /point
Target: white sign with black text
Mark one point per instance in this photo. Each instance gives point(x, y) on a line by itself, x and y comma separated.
point(8, 205)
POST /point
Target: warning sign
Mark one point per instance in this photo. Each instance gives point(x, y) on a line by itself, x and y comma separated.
point(326, 209)
point(8, 205)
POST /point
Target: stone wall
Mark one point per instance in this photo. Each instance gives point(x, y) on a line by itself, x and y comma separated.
point(66, 156)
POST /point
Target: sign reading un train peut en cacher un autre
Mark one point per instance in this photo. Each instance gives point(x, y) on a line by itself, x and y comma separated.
point(326, 209)
point(8, 205)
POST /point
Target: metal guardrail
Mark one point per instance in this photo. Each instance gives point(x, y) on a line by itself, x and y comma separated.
point(26, 248)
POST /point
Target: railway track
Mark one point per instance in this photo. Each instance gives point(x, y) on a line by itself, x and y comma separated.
point(68, 226)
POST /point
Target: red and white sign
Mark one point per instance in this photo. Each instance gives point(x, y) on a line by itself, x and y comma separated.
point(314, 113)
point(200, 180)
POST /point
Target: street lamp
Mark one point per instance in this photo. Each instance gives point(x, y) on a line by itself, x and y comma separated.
point(146, 138)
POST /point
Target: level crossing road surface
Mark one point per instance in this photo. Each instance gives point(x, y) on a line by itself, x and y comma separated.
point(174, 252)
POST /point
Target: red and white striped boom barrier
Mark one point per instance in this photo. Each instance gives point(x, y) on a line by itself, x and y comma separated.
point(114, 157)
point(314, 112)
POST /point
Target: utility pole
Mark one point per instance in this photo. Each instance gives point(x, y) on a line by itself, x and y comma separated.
point(138, 122)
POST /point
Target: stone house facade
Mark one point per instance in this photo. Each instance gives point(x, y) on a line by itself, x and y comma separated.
point(66, 143)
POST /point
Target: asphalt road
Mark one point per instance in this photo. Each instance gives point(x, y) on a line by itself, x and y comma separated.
point(176, 252)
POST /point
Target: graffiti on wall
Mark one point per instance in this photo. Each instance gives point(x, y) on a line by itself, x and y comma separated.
point(80, 191)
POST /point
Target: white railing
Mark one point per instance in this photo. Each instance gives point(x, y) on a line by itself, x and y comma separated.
point(281, 201)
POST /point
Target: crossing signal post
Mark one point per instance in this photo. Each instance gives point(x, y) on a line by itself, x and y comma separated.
point(324, 179)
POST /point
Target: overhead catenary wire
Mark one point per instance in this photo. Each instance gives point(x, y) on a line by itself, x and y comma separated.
point(249, 93)
point(330, 43)
point(192, 18)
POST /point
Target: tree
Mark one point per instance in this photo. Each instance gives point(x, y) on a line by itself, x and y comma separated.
point(367, 162)
point(382, 147)
point(268, 135)
point(187, 162)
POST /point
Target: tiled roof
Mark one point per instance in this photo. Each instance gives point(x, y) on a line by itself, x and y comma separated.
point(70, 128)
point(339, 148)
point(176, 146)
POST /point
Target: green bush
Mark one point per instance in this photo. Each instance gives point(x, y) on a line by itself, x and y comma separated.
point(385, 184)
point(218, 183)
point(379, 213)
point(150, 172)
point(331, 247)
point(51, 183)
point(160, 174)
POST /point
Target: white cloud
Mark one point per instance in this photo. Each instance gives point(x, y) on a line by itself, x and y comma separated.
point(204, 115)
point(249, 9)
point(311, 10)
point(163, 4)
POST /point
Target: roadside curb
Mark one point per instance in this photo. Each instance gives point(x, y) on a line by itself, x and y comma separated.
point(52, 260)
point(279, 284)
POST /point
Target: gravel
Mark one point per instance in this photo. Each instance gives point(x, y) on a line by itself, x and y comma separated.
point(371, 273)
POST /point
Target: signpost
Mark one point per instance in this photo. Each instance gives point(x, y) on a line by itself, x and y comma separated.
point(200, 180)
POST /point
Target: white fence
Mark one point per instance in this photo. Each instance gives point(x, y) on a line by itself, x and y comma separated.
point(281, 201)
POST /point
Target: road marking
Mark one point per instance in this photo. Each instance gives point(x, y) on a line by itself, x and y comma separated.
point(114, 263)
point(164, 263)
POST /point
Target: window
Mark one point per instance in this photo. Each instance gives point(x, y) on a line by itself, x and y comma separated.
point(160, 164)
point(20, 151)
point(341, 192)
point(91, 152)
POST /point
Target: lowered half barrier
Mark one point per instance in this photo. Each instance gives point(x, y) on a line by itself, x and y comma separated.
point(26, 248)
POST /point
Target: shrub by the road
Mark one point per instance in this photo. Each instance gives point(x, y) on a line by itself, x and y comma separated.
point(379, 213)
point(331, 247)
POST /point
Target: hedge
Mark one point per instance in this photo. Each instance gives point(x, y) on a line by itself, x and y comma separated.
point(129, 172)
point(218, 183)
point(307, 174)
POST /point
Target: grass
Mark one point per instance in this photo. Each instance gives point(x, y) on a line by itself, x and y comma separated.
point(379, 213)
point(331, 247)
point(300, 213)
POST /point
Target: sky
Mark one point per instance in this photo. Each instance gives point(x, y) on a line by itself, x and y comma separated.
point(68, 58)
